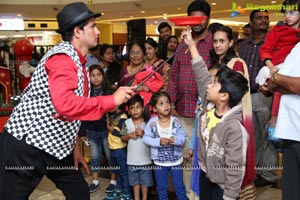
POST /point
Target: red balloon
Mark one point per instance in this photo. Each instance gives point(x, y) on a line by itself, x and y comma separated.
point(23, 50)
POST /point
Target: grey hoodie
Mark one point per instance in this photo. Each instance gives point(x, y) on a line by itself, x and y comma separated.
point(224, 159)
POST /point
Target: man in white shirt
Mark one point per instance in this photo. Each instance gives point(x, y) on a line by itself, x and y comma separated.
point(287, 81)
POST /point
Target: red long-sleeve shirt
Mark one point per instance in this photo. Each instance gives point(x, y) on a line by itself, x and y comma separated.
point(278, 43)
point(63, 80)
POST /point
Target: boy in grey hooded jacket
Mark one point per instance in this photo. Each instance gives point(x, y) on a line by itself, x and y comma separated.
point(222, 138)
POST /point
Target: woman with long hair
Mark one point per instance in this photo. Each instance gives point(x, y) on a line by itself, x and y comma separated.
point(111, 67)
point(152, 60)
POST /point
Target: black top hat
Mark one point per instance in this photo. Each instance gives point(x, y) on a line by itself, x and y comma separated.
point(72, 14)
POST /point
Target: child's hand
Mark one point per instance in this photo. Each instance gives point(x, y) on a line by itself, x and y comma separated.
point(189, 154)
point(133, 135)
point(139, 132)
point(171, 140)
point(110, 128)
point(186, 35)
point(164, 141)
point(272, 121)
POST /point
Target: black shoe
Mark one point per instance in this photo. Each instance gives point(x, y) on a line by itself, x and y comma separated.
point(93, 187)
point(260, 182)
point(110, 188)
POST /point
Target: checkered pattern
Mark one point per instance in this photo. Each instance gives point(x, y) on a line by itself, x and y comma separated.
point(36, 117)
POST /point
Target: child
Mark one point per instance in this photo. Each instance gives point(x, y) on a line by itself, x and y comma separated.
point(138, 154)
point(118, 153)
point(166, 137)
point(278, 44)
point(222, 138)
point(96, 130)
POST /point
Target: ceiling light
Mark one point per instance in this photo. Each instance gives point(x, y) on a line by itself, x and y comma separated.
point(273, 1)
point(165, 14)
point(178, 8)
point(142, 11)
point(155, 22)
point(213, 4)
point(19, 15)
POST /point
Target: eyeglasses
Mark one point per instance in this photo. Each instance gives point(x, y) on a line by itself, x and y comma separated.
point(291, 12)
point(136, 53)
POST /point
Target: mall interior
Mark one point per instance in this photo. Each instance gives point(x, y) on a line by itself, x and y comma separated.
point(25, 25)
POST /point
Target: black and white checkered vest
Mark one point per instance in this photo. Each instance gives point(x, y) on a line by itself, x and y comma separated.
point(35, 116)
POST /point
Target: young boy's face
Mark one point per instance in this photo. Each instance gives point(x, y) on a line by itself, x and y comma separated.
point(136, 110)
point(292, 18)
point(213, 90)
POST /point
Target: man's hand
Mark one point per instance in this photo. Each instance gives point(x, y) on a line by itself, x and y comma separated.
point(268, 88)
point(123, 94)
point(78, 158)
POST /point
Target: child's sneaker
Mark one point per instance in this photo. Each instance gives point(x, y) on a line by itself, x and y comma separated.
point(93, 187)
point(110, 188)
point(125, 197)
point(113, 195)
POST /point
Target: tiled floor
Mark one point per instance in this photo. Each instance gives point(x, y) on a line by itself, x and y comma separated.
point(46, 190)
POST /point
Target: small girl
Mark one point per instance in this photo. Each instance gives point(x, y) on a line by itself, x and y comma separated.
point(139, 162)
point(96, 131)
point(166, 137)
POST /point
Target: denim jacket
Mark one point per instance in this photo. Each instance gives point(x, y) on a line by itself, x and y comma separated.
point(152, 138)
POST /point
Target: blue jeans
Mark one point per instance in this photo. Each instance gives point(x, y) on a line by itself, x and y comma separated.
point(161, 177)
point(119, 159)
point(98, 141)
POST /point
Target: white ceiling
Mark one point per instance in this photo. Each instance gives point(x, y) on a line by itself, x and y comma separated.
point(120, 11)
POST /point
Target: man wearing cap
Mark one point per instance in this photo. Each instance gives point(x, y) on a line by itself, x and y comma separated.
point(40, 137)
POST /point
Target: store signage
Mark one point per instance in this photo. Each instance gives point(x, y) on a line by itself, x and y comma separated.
point(11, 24)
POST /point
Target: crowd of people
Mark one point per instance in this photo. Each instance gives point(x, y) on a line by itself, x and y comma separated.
point(200, 111)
